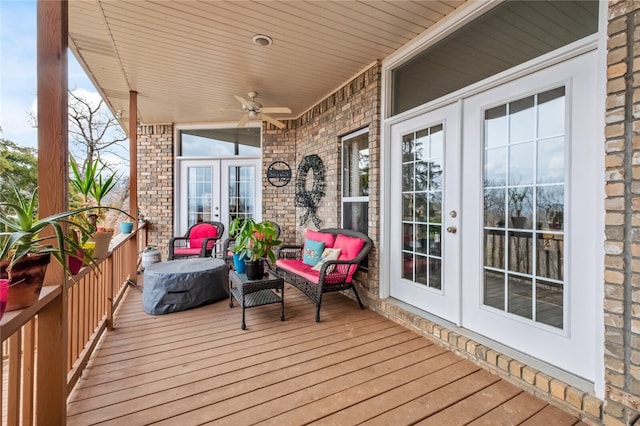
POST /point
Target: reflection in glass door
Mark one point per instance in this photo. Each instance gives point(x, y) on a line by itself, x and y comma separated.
point(424, 210)
point(529, 231)
point(199, 195)
point(422, 155)
point(242, 191)
point(524, 145)
point(217, 190)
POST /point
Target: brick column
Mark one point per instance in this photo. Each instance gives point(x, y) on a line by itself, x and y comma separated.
point(622, 247)
point(155, 182)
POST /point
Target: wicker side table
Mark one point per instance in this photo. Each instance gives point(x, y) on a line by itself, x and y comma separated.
point(251, 293)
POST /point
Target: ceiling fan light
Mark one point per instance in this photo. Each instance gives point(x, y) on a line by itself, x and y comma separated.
point(262, 40)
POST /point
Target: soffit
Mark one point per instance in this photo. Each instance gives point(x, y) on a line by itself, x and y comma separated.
point(187, 59)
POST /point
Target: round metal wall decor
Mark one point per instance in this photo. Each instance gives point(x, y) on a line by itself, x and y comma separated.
point(279, 173)
point(310, 199)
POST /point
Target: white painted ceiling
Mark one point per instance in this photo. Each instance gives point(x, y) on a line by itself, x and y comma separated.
point(187, 59)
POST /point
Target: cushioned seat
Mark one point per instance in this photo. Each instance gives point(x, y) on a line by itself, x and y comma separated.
point(200, 240)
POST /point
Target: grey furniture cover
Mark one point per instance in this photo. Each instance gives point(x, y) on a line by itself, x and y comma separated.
point(177, 285)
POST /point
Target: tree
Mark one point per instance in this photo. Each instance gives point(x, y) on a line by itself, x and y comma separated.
point(18, 164)
point(95, 136)
point(94, 133)
point(93, 130)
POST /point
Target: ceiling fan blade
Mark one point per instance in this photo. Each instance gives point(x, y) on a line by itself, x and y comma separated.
point(273, 121)
point(229, 110)
point(276, 110)
point(243, 101)
point(243, 121)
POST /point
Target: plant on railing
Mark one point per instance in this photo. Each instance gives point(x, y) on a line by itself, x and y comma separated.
point(94, 184)
point(25, 250)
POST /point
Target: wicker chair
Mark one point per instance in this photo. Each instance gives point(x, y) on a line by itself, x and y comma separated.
point(200, 241)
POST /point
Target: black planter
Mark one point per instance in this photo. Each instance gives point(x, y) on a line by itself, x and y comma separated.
point(255, 269)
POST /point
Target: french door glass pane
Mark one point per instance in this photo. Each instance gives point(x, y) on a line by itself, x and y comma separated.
point(422, 170)
point(524, 178)
point(199, 196)
point(242, 197)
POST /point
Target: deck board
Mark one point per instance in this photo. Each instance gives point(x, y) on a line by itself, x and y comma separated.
point(199, 367)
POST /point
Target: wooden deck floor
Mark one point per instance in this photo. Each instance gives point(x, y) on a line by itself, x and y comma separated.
point(198, 367)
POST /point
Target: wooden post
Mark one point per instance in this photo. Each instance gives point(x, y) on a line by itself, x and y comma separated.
point(51, 385)
point(53, 178)
point(133, 153)
point(133, 183)
point(53, 100)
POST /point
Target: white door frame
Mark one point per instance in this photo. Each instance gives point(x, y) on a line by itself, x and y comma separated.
point(219, 168)
point(444, 302)
point(594, 42)
point(571, 349)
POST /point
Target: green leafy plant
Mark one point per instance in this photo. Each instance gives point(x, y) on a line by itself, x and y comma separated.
point(22, 228)
point(94, 184)
point(254, 240)
point(83, 182)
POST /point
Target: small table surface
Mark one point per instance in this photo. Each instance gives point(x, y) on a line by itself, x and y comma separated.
point(251, 293)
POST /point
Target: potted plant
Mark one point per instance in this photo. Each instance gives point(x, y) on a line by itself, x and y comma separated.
point(254, 241)
point(94, 185)
point(25, 254)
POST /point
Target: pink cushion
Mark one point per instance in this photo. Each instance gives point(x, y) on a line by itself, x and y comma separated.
point(350, 247)
point(186, 251)
point(327, 238)
point(297, 267)
point(200, 232)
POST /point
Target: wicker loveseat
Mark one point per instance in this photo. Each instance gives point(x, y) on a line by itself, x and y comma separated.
point(328, 275)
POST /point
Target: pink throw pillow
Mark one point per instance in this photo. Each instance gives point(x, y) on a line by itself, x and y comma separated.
point(350, 246)
point(324, 237)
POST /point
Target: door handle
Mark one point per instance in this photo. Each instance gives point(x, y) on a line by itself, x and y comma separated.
point(452, 229)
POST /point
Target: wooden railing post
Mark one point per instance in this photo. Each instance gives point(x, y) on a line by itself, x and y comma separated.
point(110, 303)
point(51, 382)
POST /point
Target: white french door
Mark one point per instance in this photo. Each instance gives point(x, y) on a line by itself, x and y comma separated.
point(424, 246)
point(530, 224)
point(509, 172)
point(217, 190)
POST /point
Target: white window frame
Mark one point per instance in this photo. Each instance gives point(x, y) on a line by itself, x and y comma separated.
point(344, 200)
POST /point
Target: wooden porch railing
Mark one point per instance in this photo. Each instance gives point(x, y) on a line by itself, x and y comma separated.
point(45, 347)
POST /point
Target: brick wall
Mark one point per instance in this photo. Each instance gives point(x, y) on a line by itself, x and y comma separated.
point(354, 106)
point(155, 182)
point(622, 223)
point(277, 202)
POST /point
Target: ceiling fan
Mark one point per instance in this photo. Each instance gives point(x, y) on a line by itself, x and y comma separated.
point(254, 109)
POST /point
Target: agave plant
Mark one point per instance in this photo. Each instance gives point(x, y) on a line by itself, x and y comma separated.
point(21, 231)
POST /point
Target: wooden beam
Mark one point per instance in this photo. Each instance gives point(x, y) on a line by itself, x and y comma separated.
point(53, 99)
point(133, 153)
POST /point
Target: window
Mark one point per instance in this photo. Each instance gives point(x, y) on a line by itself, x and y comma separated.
point(220, 142)
point(506, 36)
point(355, 181)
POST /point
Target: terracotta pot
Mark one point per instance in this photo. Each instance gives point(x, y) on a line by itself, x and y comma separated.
point(25, 281)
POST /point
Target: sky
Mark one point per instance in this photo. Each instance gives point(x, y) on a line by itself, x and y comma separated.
point(18, 82)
